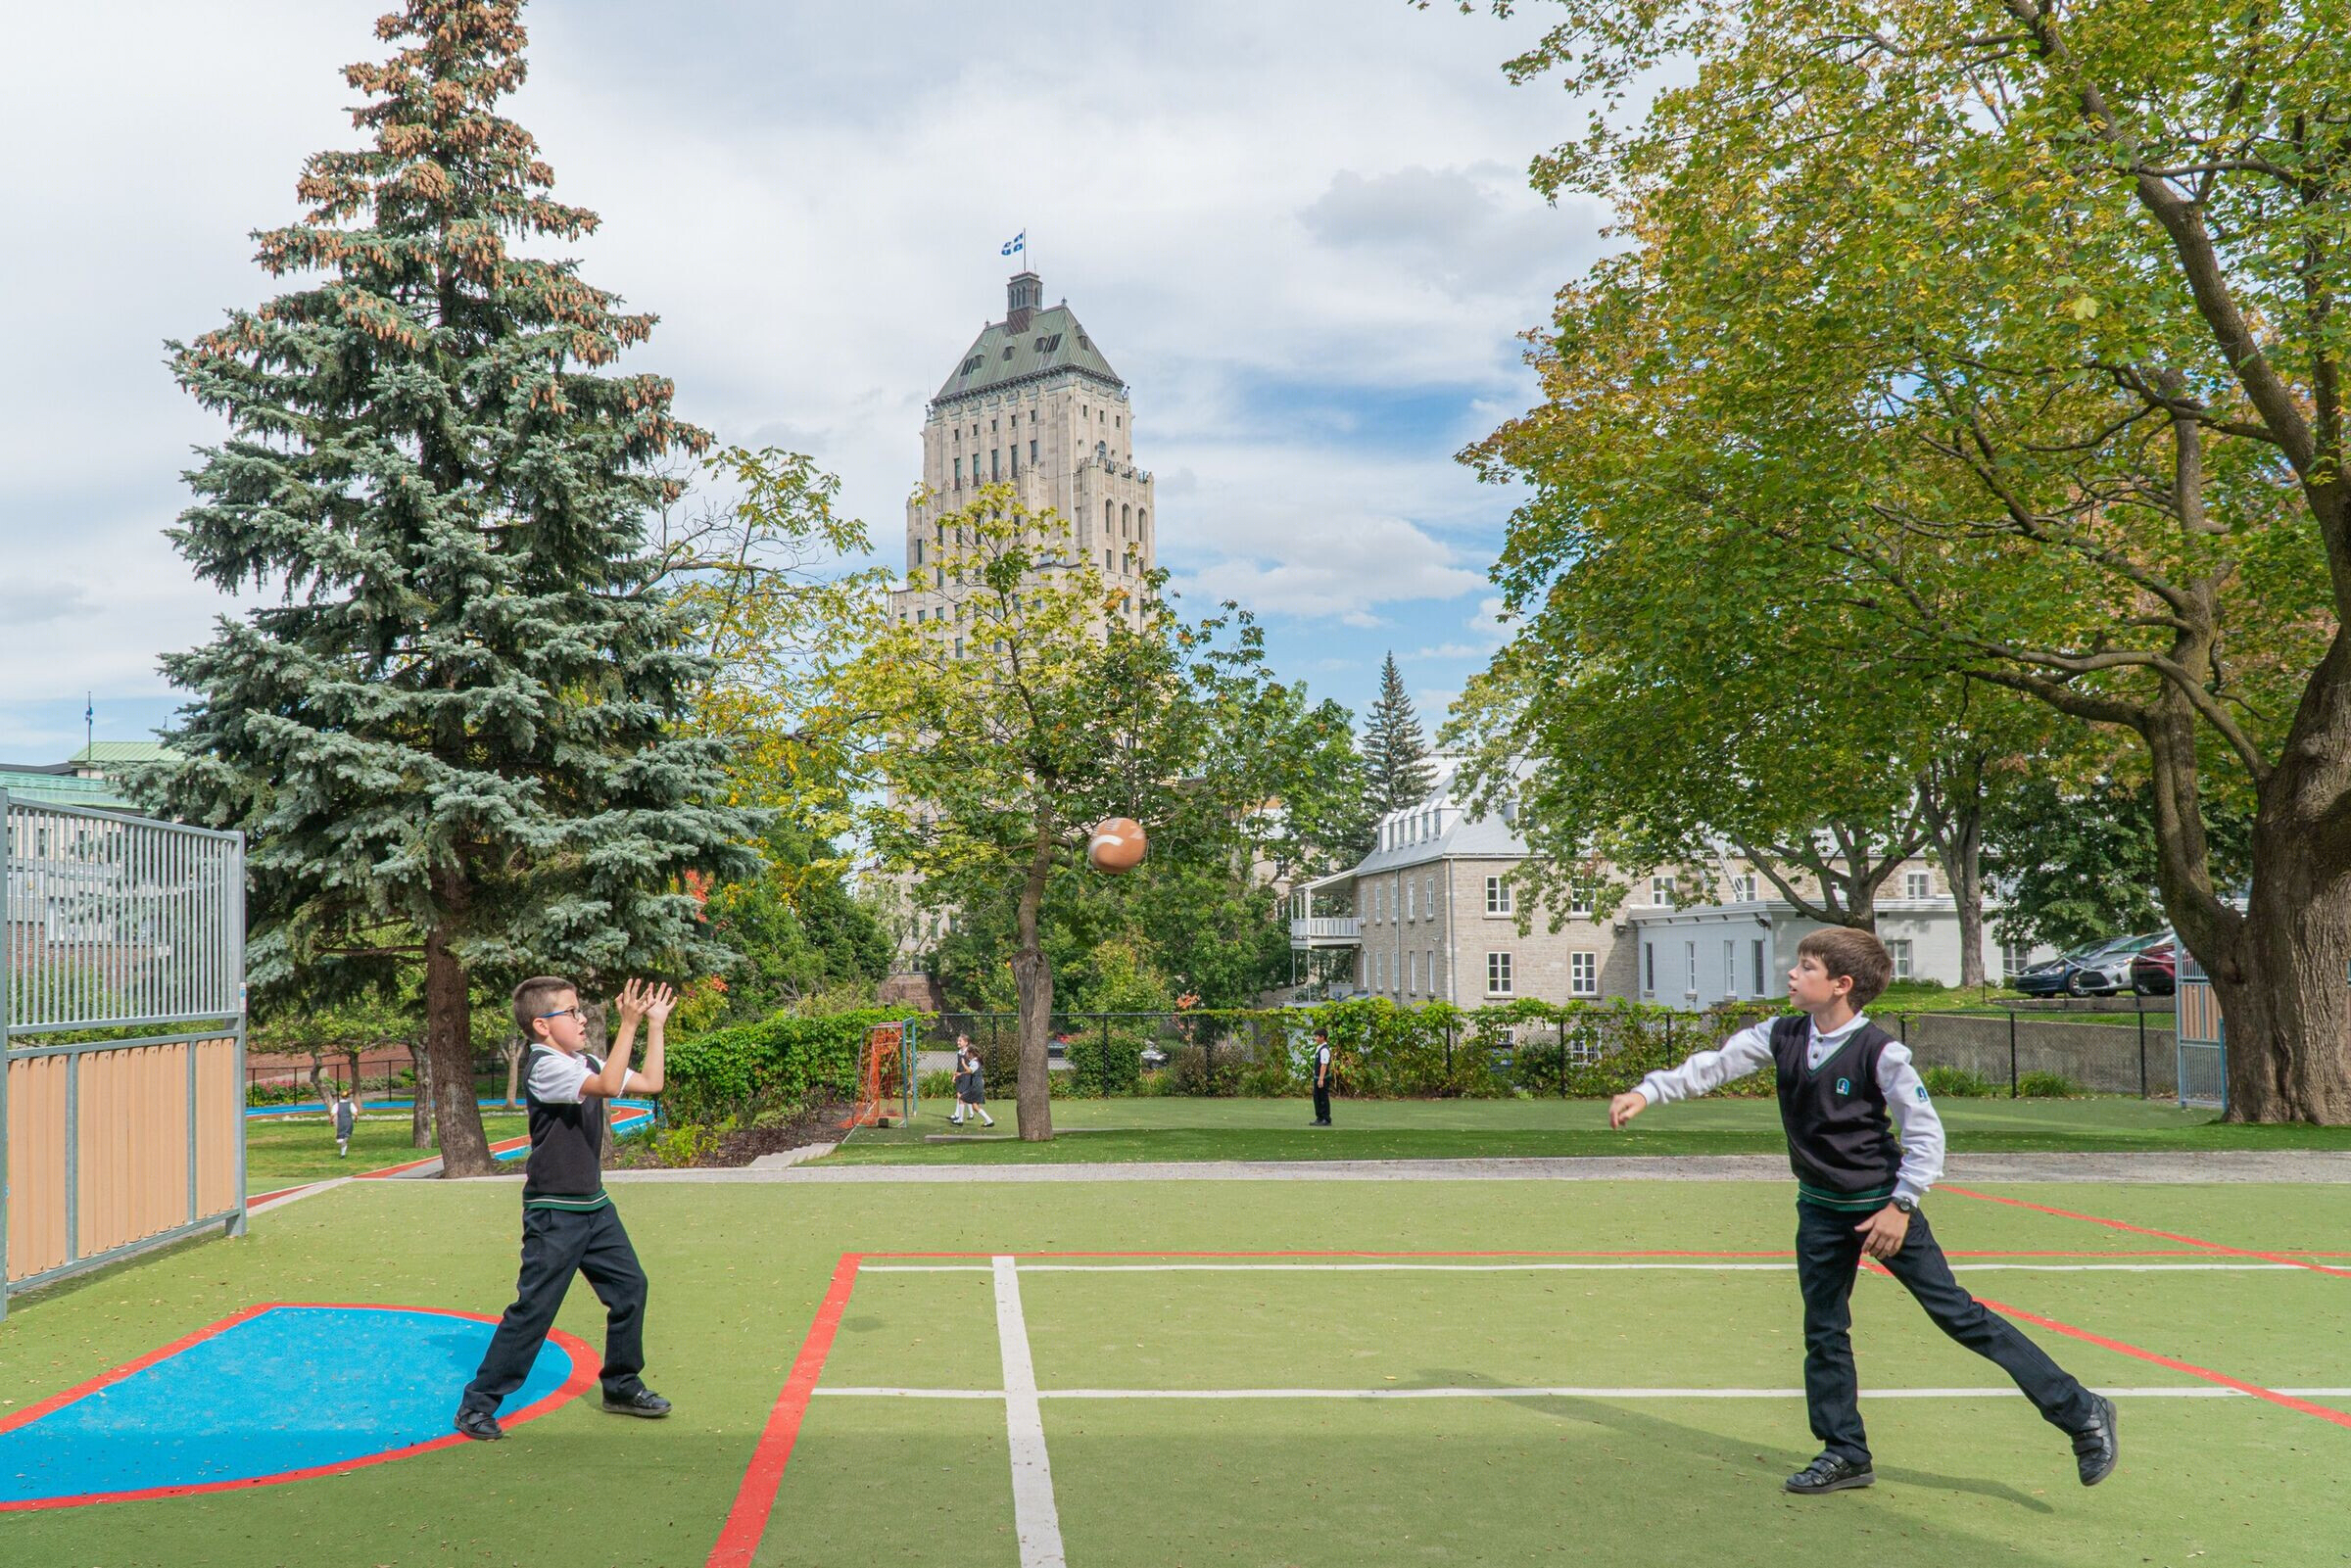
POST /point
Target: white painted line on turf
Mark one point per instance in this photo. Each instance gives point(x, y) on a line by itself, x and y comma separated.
point(1035, 1518)
point(2182, 1391)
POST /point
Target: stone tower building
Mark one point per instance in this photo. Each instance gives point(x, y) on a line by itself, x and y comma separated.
point(1033, 404)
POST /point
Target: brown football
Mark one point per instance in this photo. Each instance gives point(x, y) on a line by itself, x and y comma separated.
point(1116, 845)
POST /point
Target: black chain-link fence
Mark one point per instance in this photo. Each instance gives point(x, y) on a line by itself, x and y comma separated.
point(1571, 1051)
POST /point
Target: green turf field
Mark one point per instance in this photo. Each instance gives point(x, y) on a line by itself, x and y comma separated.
point(284, 1152)
point(1175, 1129)
point(1445, 1410)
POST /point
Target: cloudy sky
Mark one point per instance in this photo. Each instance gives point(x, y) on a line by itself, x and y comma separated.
point(1301, 230)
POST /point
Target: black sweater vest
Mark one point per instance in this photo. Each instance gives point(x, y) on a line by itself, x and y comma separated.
point(1839, 1139)
point(567, 1146)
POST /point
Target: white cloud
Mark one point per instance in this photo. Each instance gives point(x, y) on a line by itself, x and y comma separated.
point(1345, 568)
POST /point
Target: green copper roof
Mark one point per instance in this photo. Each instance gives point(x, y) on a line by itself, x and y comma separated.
point(117, 753)
point(999, 357)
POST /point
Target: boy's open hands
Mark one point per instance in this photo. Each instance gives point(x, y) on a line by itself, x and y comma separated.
point(1625, 1107)
point(1884, 1232)
point(640, 999)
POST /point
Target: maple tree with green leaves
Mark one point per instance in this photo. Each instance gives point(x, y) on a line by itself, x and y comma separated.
point(2009, 332)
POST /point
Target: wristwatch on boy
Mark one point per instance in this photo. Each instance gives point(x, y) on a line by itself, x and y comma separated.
point(1908, 1206)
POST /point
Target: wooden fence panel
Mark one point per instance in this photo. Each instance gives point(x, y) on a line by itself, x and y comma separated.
point(36, 1164)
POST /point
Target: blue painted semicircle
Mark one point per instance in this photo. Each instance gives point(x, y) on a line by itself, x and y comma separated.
point(288, 1389)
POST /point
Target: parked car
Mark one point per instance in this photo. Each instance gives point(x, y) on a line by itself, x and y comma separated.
point(2095, 968)
point(2155, 972)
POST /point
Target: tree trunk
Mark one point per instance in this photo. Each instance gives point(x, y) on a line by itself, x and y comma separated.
point(1032, 979)
point(512, 1052)
point(2282, 989)
point(1953, 810)
point(1965, 870)
point(420, 1109)
point(448, 1043)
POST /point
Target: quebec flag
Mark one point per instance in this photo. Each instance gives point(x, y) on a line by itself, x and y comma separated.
point(1019, 241)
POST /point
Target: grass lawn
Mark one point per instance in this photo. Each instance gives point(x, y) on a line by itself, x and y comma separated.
point(1172, 1129)
point(287, 1150)
point(1601, 1408)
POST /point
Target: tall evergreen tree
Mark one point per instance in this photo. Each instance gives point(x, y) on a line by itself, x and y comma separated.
point(1395, 751)
point(452, 737)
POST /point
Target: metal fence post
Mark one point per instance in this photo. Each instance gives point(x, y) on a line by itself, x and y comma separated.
point(2012, 1053)
point(1562, 1057)
point(1448, 1048)
point(8, 966)
point(2138, 1005)
point(1102, 1074)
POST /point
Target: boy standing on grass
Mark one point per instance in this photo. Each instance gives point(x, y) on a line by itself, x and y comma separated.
point(1858, 1192)
point(568, 1223)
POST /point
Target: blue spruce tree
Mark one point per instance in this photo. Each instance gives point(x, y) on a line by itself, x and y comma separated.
point(451, 733)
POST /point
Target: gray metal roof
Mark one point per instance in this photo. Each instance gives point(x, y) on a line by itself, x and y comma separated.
point(1053, 340)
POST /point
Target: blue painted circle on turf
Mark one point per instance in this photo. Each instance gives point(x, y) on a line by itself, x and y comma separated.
point(292, 1388)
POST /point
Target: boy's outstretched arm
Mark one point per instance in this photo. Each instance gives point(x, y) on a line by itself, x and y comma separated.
point(1748, 1051)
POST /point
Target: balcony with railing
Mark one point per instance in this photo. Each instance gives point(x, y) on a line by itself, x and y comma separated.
point(1325, 930)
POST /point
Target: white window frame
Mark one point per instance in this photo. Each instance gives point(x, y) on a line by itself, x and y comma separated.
point(1497, 895)
point(1579, 902)
point(1662, 890)
point(2015, 959)
point(1918, 884)
point(1742, 888)
point(1583, 974)
point(1498, 977)
point(1411, 910)
point(1900, 950)
point(1690, 963)
point(1730, 965)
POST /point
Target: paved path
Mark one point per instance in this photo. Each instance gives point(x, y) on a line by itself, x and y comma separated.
point(2243, 1166)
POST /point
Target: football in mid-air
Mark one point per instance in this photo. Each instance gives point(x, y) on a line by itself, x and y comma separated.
point(1116, 845)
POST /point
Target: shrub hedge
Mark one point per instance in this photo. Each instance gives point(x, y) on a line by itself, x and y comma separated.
point(1576, 1049)
point(786, 1061)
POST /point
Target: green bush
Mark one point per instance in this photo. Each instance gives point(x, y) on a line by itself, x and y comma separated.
point(1957, 1084)
point(2048, 1086)
point(783, 1061)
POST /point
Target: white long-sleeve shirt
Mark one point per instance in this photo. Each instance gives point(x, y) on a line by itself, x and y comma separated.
point(1750, 1051)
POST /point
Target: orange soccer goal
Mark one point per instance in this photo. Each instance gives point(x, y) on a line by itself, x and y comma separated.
point(884, 1076)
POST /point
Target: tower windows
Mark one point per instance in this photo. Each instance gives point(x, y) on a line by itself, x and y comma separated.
point(959, 473)
point(1033, 452)
point(1126, 522)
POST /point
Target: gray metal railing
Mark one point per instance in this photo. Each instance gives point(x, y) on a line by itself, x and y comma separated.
point(121, 1036)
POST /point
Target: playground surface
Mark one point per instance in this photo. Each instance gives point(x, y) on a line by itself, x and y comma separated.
point(1294, 1372)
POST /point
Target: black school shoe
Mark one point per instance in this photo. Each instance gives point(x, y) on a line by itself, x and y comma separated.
point(645, 1402)
point(479, 1425)
point(1829, 1473)
point(2095, 1451)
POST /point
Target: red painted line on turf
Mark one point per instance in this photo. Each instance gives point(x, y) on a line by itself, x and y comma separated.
point(2142, 1230)
point(584, 1364)
point(2157, 1359)
point(755, 1498)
